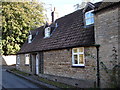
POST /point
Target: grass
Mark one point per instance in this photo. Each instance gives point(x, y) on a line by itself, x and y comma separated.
point(57, 84)
point(20, 72)
point(54, 83)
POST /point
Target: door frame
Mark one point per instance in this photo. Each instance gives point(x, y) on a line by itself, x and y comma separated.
point(37, 64)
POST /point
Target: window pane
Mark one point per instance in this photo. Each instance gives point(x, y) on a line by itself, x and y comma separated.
point(88, 21)
point(92, 15)
point(75, 59)
point(86, 15)
point(89, 15)
point(47, 32)
point(18, 59)
point(27, 59)
point(75, 50)
point(92, 20)
point(89, 18)
point(80, 49)
point(81, 59)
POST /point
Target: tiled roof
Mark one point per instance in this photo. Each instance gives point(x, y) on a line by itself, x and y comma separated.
point(69, 33)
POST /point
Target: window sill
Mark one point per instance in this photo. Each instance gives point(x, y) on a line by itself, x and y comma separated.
point(17, 64)
point(90, 25)
point(46, 37)
point(78, 66)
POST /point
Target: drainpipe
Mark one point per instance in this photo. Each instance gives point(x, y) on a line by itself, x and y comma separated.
point(98, 69)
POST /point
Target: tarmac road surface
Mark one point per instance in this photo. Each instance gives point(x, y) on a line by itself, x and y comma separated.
point(10, 80)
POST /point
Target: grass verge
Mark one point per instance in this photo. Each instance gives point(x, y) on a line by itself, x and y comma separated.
point(57, 84)
point(19, 72)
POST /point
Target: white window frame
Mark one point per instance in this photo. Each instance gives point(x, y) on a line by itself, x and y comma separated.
point(78, 53)
point(18, 59)
point(27, 59)
point(91, 17)
point(47, 32)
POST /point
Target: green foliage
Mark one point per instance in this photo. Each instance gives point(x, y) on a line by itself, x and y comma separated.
point(17, 19)
point(0, 28)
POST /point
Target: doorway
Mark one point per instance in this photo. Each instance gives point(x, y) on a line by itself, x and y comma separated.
point(37, 63)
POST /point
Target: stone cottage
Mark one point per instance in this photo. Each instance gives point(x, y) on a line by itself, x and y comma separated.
point(77, 49)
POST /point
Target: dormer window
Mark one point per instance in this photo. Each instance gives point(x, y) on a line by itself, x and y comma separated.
point(89, 18)
point(30, 38)
point(47, 32)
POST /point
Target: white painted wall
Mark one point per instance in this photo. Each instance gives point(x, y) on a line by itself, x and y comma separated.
point(10, 59)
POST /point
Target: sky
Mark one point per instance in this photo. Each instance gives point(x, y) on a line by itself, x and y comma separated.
point(63, 7)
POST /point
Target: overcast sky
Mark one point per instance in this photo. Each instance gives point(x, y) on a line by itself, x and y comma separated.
point(63, 7)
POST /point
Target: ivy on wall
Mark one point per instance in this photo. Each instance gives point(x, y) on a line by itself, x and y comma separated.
point(112, 72)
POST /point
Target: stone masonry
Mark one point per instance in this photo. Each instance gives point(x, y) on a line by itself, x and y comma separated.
point(59, 63)
point(22, 66)
point(106, 31)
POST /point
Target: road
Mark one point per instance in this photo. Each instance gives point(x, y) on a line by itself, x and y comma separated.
point(10, 80)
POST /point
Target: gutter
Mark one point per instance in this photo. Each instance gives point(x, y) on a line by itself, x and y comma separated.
point(58, 48)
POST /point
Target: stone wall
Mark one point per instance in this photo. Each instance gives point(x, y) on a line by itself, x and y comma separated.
point(106, 34)
point(22, 66)
point(59, 63)
point(119, 45)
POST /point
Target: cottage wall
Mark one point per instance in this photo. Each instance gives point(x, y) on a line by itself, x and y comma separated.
point(59, 63)
point(119, 45)
point(22, 66)
point(106, 34)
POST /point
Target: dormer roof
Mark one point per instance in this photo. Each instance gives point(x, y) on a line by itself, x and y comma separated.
point(88, 7)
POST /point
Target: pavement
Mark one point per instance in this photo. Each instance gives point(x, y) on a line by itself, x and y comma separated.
point(32, 79)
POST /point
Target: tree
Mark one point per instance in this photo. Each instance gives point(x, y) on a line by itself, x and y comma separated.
point(0, 27)
point(17, 19)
